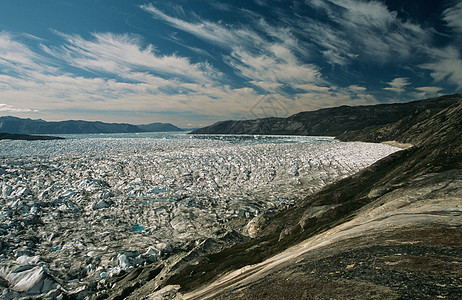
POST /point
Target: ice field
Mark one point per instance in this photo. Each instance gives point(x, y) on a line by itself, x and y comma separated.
point(77, 210)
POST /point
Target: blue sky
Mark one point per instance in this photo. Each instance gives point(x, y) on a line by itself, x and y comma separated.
point(196, 62)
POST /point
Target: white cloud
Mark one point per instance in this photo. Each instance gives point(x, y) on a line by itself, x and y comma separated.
point(453, 16)
point(141, 81)
point(398, 85)
point(205, 30)
point(122, 54)
point(268, 86)
point(366, 13)
point(312, 88)
point(446, 66)
point(333, 45)
point(10, 108)
point(429, 89)
point(267, 53)
point(273, 69)
point(426, 92)
point(17, 57)
point(357, 13)
point(365, 30)
point(357, 88)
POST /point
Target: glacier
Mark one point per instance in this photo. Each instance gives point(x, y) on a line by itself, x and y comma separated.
point(78, 210)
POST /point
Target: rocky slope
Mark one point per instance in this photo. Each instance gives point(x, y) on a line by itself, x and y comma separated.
point(28, 126)
point(334, 121)
point(391, 231)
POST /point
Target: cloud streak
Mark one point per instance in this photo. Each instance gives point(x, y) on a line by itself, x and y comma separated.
point(446, 66)
point(398, 85)
point(364, 30)
point(123, 53)
point(12, 109)
point(453, 16)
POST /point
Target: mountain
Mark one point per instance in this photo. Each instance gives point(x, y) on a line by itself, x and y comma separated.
point(391, 231)
point(159, 127)
point(28, 126)
point(427, 127)
point(331, 121)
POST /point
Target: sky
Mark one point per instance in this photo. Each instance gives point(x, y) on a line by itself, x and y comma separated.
point(194, 62)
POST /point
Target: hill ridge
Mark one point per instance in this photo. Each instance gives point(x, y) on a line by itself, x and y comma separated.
point(331, 121)
point(15, 125)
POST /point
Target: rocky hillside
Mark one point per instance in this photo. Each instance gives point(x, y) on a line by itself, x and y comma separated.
point(28, 126)
point(425, 128)
point(333, 121)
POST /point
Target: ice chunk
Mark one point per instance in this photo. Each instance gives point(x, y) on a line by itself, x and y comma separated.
point(68, 194)
point(22, 192)
point(7, 190)
point(156, 190)
point(123, 262)
point(138, 228)
point(32, 280)
point(101, 204)
point(28, 260)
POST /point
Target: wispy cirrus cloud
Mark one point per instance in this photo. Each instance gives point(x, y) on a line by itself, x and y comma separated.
point(364, 30)
point(315, 97)
point(426, 92)
point(123, 53)
point(267, 56)
point(17, 57)
point(281, 69)
point(453, 16)
point(309, 53)
point(205, 30)
point(445, 65)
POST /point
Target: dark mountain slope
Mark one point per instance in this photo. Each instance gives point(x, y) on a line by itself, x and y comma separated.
point(427, 127)
point(159, 127)
point(332, 121)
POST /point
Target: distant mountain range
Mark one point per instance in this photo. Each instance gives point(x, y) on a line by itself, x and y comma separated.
point(16, 125)
point(337, 121)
